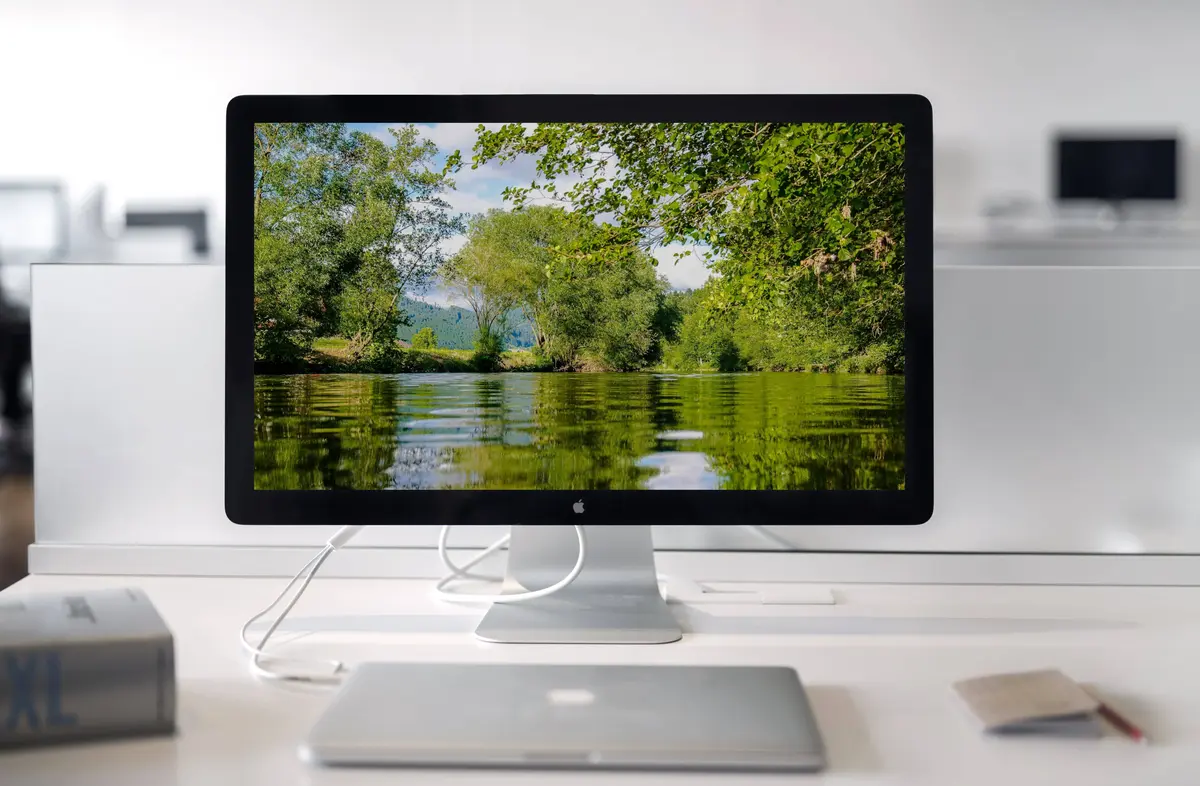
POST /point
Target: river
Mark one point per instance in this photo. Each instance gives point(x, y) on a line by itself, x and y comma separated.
point(579, 431)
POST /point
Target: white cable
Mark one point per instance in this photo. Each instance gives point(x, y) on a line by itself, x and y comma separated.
point(464, 571)
point(457, 573)
point(304, 577)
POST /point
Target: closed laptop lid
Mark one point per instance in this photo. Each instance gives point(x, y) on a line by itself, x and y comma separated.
point(676, 717)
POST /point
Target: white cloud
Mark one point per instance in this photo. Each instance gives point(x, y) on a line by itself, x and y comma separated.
point(465, 201)
point(520, 172)
point(383, 134)
point(687, 273)
point(461, 136)
point(454, 136)
point(453, 243)
point(438, 295)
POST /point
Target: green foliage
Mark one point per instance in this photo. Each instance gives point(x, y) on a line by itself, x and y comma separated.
point(805, 222)
point(489, 346)
point(607, 315)
point(507, 264)
point(332, 356)
point(343, 222)
point(705, 345)
point(425, 338)
point(585, 310)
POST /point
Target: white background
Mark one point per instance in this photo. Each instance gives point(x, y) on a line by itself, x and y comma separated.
point(132, 93)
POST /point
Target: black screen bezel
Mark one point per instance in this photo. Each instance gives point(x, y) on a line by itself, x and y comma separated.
point(245, 505)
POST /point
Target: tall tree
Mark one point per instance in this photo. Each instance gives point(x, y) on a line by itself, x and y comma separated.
point(486, 274)
point(343, 223)
point(607, 315)
point(514, 253)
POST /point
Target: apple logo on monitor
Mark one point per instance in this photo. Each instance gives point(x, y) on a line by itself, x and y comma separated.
point(578, 506)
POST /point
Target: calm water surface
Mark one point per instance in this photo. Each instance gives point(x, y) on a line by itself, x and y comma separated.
point(579, 431)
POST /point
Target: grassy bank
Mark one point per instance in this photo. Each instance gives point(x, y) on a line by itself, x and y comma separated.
point(331, 356)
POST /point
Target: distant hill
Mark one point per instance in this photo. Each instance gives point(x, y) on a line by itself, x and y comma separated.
point(455, 327)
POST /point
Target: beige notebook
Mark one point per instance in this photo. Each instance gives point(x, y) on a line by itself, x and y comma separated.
point(1034, 702)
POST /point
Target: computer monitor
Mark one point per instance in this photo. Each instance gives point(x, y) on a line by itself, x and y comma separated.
point(1117, 169)
point(548, 310)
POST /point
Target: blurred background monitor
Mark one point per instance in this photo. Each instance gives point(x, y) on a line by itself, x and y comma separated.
point(33, 221)
point(1117, 169)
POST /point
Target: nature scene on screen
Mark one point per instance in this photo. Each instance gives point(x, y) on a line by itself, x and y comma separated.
point(579, 306)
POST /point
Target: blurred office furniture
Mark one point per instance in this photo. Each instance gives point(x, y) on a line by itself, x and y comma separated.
point(1116, 171)
point(33, 220)
point(1118, 183)
point(89, 237)
point(1064, 399)
point(1102, 187)
point(195, 222)
point(1009, 214)
point(1044, 246)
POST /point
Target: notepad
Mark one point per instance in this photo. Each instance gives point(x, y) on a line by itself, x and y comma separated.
point(1036, 702)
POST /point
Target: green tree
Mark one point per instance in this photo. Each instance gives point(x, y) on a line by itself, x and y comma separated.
point(587, 309)
point(425, 338)
point(483, 274)
point(343, 223)
point(609, 314)
point(509, 260)
point(301, 173)
point(489, 348)
point(705, 344)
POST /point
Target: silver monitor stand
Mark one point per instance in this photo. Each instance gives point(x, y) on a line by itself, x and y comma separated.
point(614, 600)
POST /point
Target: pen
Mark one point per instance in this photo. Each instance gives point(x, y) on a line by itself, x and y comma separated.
point(1123, 724)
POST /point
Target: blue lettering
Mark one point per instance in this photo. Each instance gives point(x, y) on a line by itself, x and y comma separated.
point(54, 690)
point(21, 679)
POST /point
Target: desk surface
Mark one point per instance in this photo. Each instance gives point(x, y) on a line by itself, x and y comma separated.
point(878, 666)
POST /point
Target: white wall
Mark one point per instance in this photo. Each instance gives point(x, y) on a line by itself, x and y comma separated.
point(132, 92)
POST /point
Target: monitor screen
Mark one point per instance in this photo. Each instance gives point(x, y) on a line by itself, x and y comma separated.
point(1117, 169)
point(579, 306)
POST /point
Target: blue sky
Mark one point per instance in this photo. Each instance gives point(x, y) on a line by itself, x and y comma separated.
point(478, 190)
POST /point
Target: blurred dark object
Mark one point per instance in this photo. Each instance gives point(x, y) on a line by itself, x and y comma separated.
point(34, 227)
point(16, 443)
point(195, 221)
point(16, 527)
point(1115, 170)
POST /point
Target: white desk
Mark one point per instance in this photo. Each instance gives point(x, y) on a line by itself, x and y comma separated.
point(878, 666)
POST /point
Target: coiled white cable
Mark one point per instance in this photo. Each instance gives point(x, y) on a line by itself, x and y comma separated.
point(304, 577)
point(461, 573)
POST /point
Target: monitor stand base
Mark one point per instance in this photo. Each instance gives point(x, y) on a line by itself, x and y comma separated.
point(614, 600)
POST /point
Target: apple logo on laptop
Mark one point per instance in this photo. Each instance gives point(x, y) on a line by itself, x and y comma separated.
point(578, 506)
point(571, 697)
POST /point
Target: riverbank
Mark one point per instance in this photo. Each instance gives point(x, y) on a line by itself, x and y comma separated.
point(331, 356)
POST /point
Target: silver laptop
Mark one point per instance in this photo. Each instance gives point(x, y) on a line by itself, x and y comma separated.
point(500, 715)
